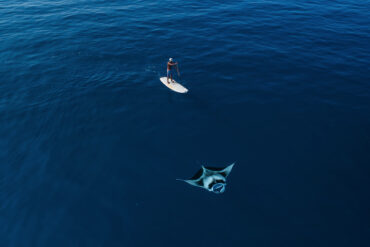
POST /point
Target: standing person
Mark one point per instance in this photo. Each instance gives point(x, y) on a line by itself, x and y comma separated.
point(171, 65)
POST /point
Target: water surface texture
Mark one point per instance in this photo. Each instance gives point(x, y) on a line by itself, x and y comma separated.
point(91, 142)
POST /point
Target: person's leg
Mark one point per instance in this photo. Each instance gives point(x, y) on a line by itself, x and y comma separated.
point(168, 74)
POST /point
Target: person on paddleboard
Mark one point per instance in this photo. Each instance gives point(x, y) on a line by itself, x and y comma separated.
point(171, 65)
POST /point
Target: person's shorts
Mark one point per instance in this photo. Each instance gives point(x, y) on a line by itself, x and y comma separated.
point(169, 73)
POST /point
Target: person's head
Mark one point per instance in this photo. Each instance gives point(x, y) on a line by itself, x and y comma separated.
point(170, 59)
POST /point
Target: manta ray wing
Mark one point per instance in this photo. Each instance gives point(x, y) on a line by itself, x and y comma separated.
point(217, 170)
point(225, 172)
point(194, 182)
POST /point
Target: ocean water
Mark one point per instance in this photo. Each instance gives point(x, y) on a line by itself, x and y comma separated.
point(91, 142)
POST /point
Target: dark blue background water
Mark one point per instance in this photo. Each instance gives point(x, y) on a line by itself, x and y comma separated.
point(91, 142)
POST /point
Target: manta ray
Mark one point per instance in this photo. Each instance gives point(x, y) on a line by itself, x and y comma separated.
point(211, 178)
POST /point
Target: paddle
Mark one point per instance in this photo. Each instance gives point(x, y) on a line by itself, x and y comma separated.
point(178, 72)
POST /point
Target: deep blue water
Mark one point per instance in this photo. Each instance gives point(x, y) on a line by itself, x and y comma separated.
point(91, 142)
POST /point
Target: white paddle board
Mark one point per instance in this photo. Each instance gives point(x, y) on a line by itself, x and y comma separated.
point(173, 85)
